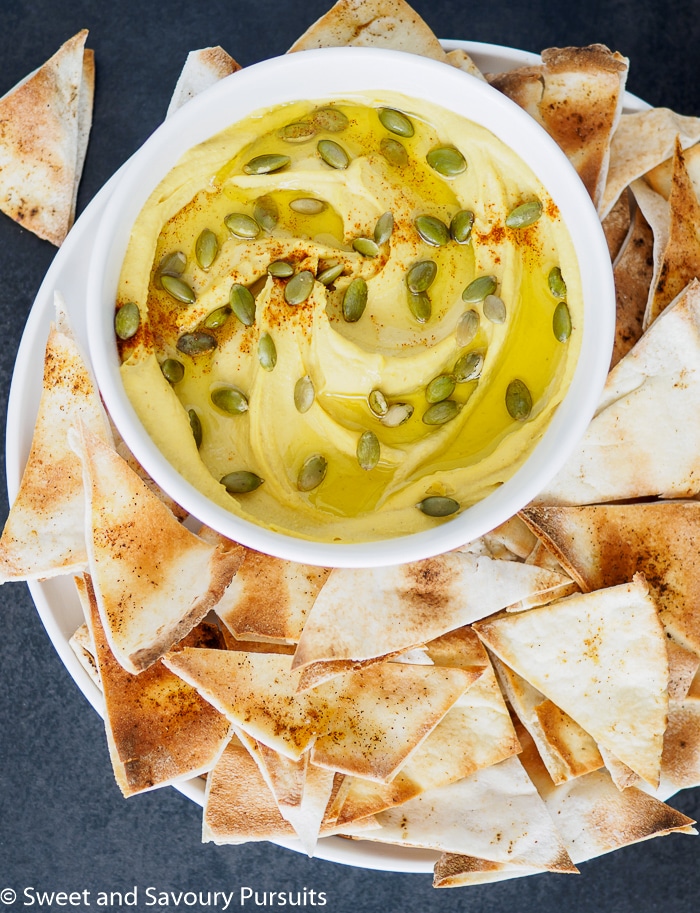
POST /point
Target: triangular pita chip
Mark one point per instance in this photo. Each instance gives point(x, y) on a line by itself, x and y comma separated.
point(616, 225)
point(154, 580)
point(365, 723)
point(680, 762)
point(42, 140)
point(159, 729)
point(602, 658)
point(455, 870)
point(606, 544)
point(495, 814)
point(679, 260)
point(645, 439)
point(269, 598)
point(475, 732)
point(372, 23)
point(409, 604)
point(202, 69)
point(576, 95)
point(86, 100)
point(82, 645)
point(44, 533)
point(641, 141)
point(633, 273)
point(460, 59)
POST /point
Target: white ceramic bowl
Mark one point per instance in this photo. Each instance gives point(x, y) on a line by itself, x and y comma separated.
point(339, 72)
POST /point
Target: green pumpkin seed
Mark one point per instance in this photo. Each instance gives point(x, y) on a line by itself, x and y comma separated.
point(432, 230)
point(377, 403)
point(397, 414)
point(280, 269)
point(127, 320)
point(436, 506)
point(467, 328)
point(173, 370)
point(217, 318)
point(394, 152)
point(299, 287)
point(447, 161)
point(494, 309)
point(355, 300)
point(479, 288)
point(330, 274)
point(304, 394)
point(396, 122)
point(333, 154)
point(242, 303)
point(308, 206)
point(561, 322)
point(312, 472)
point(441, 413)
point(421, 276)
point(518, 400)
point(298, 132)
point(196, 426)
point(206, 248)
point(266, 212)
point(468, 367)
point(332, 120)
point(241, 482)
point(242, 226)
point(267, 163)
point(230, 400)
point(461, 226)
point(178, 289)
point(267, 352)
point(366, 246)
point(440, 388)
point(173, 264)
point(420, 306)
point(368, 450)
point(196, 343)
point(524, 215)
point(557, 286)
point(384, 228)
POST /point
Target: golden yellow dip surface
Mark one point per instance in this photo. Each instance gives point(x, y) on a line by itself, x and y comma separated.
point(399, 344)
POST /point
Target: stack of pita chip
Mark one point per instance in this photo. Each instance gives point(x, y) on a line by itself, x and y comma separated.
point(46, 121)
point(519, 705)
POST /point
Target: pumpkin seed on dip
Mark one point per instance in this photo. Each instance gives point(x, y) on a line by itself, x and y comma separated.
point(356, 294)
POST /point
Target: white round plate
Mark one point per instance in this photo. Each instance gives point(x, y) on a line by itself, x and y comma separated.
point(56, 599)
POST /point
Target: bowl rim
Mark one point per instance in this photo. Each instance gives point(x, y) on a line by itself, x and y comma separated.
point(357, 70)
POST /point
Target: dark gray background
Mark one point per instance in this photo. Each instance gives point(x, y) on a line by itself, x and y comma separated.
point(63, 823)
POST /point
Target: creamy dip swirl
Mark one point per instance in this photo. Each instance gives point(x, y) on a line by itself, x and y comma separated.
point(394, 348)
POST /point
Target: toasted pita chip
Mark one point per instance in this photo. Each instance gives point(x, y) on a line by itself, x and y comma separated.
point(605, 545)
point(372, 23)
point(407, 605)
point(644, 440)
point(660, 178)
point(683, 666)
point(576, 95)
point(154, 580)
point(616, 225)
point(679, 260)
point(86, 100)
point(566, 749)
point(476, 732)
point(621, 775)
point(495, 814)
point(202, 69)
point(460, 59)
point(633, 274)
point(641, 141)
point(365, 723)
point(680, 762)
point(44, 534)
point(81, 643)
point(454, 870)
point(42, 140)
point(269, 598)
point(159, 730)
point(602, 658)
